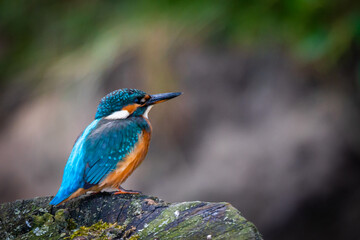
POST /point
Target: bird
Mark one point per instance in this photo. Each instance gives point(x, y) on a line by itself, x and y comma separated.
point(112, 146)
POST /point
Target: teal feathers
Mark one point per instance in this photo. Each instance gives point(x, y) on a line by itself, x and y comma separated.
point(110, 143)
point(73, 173)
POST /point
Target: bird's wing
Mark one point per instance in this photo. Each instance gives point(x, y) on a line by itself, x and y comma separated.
point(74, 169)
point(109, 143)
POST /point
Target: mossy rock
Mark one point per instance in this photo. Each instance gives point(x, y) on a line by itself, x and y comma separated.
point(107, 216)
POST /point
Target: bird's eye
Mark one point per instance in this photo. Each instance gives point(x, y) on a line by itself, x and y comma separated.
point(141, 100)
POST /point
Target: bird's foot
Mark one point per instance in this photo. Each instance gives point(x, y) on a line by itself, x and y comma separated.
point(123, 191)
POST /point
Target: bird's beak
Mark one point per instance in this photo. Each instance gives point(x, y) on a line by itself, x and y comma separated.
point(162, 97)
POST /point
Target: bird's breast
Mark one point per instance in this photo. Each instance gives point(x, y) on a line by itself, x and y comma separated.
point(130, 163)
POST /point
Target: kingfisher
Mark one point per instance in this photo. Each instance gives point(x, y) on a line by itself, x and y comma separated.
point(112, 146)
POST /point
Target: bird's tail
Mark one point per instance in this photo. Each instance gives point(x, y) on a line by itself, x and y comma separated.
point(60, 197)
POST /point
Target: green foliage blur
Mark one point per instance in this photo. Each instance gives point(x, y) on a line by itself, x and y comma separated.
point(320, 31)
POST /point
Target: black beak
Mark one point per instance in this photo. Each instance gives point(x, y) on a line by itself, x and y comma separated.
point(162, 97)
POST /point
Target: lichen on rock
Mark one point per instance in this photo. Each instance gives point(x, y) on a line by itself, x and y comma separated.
point(106, 216)
point(99, 230)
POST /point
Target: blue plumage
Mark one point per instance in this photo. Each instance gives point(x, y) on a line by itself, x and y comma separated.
point(97, 152)
point(116, 140)
point(73, 173)
point(109, 139)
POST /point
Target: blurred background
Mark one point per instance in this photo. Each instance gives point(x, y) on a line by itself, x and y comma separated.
point(269, 119)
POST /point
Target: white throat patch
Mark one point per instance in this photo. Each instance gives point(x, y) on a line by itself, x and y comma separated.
point(118, 115)
point(146, 113)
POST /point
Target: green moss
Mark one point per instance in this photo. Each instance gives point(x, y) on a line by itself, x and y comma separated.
point(60, 215)
point(47, 226)
point(248, 232)
point(188, 220)
point(134, 237)
point(185, 228)
point(233, 217)
point(99, 230)
point(71, 224)
point(133, 210)
point(169, 215)
point(195, 226)
point(44, 228)
point(40, 220)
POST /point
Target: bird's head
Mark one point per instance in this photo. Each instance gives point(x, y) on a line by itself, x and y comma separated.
point(122, 103)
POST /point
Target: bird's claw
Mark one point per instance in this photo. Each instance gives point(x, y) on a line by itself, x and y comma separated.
point(123, 191)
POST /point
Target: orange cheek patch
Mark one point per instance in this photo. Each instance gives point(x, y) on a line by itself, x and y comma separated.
point(131, 108)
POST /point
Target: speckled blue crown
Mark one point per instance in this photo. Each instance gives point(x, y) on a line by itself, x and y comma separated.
point(116, 100)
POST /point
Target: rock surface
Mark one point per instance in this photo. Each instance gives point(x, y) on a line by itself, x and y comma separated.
point(107, 216)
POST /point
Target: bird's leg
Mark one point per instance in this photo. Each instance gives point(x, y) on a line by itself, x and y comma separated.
point(123, 191)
